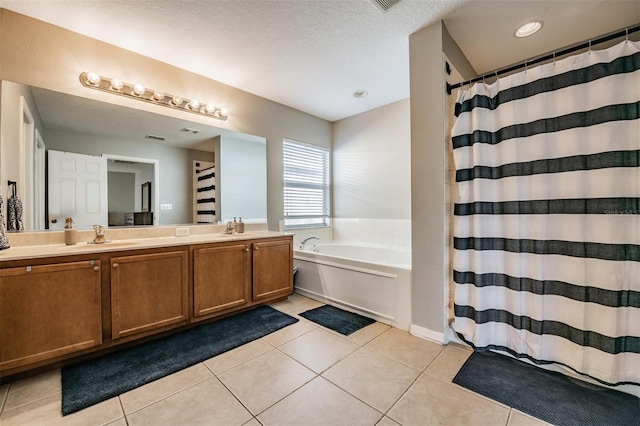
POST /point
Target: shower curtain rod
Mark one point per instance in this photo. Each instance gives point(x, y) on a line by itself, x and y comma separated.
point(553, 55)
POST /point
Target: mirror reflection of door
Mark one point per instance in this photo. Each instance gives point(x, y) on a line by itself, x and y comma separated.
point(77, 189)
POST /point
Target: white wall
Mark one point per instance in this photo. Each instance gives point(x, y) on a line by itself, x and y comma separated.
point(371, 164)
point(241, 177)
point(371, 176)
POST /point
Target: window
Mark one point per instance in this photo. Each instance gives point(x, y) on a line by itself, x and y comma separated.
point(306, 185)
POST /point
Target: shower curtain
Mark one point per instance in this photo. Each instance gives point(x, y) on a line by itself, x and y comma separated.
point(547, 214)
point(205, 196)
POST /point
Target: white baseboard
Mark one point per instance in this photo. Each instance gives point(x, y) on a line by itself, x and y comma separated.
point(425, 333)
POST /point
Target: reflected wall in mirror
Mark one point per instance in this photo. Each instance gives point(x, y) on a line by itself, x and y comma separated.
point(34, 120)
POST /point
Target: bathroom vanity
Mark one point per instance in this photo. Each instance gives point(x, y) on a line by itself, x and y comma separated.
point(61, 302)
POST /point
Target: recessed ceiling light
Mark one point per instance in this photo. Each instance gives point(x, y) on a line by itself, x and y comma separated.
point(528, 29)
point(360, 93)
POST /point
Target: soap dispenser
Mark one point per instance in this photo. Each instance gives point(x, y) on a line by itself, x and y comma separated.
point(70, 233)
point(240, 226)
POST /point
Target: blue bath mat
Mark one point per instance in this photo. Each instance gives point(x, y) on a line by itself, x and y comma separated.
point(100, 379)
point(547, 395)
point(337, 319)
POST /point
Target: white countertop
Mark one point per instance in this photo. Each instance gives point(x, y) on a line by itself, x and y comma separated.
point(50, 250)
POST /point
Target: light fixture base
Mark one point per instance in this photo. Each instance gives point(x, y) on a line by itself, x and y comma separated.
point(139, 92)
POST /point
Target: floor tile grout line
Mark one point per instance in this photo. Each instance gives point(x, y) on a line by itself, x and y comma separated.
point(356, 397)
point(31, 401)
point(255, 416)
point(289, 394)
point(4, 399)
point(169, 395)
point(124, 415)
point(386, 413)
point(247, 360)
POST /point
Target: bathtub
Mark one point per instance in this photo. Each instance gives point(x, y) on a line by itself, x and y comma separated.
point(371, 280)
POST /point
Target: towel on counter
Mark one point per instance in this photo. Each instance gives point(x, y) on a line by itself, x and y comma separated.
point(14, 210)
point(4, 242)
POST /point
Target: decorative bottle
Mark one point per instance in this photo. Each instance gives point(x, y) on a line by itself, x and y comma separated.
point(70, 233)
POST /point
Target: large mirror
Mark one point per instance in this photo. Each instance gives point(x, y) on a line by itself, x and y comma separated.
point(152, 169)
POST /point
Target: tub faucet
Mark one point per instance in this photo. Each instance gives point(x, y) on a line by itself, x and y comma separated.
point(307, 239)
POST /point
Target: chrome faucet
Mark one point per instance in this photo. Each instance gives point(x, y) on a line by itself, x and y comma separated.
point(229, 229)
point(99, 238)
point(307, 239)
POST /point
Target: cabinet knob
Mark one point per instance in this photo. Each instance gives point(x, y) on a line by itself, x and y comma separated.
point(115, 266)
point(256, 248)
point(96, 268)
point(246, 249)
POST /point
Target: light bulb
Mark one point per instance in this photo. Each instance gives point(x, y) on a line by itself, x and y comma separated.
point(138, 89)
point(210, 109)
point(224, 112)
point(158, 96)
point(176, 100)
point(194, 105)
point(93, 78)
point(116, 84)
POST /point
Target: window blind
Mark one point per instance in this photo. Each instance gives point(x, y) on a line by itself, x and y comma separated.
point(306, 185)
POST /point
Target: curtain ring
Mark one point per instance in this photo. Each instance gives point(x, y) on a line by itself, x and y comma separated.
point(497, 78)
point(554, 58)
point(626, 34)
point(483, 79)
point(589, 46)
point(525, 66)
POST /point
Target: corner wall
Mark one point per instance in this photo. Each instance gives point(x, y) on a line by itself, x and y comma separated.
point(429, 209)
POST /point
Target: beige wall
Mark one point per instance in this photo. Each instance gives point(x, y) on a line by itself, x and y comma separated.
point(371, 173)
point(42, 55)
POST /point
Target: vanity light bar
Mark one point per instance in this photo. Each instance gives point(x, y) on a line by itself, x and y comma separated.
point(138, 91)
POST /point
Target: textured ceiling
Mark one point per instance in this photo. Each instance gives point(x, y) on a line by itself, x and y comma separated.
point(313, 54)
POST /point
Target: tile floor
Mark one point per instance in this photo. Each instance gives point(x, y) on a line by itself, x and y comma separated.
point(303, 374)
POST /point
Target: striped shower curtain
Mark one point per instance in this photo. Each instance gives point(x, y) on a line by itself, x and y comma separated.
point(547, 214)
point(206, 196)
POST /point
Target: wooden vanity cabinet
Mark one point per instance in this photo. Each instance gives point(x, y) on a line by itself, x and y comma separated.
point(148, 292)
point(48, 310)
point(272, 268)
point(60, 308)
point(221, 278)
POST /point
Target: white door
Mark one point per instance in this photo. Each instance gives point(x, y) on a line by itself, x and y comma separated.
point(77, 189)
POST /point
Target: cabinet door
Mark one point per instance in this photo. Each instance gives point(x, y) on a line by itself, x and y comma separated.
point(148, 291)
point(221, 278)
point(48, 310)
point(272, 269)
